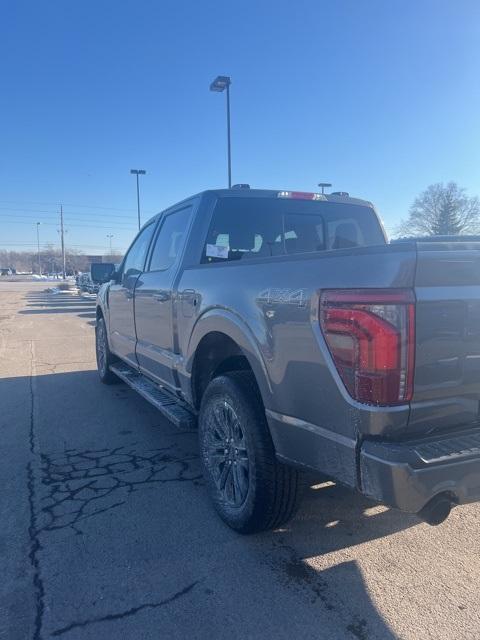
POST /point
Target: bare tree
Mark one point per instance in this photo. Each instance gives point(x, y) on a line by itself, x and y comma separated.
point(50, 260)
point(442, 210)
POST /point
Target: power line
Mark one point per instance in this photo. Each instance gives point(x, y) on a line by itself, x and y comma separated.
point(51, 219)
point(53, 213)
point(125, 226)
point(50, 244)
point(86, 206)
point(72, 226)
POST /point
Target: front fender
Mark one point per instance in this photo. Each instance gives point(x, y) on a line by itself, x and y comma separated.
point(234, 327)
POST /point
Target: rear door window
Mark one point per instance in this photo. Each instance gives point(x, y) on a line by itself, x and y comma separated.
point(170, 240)
point(134, 261)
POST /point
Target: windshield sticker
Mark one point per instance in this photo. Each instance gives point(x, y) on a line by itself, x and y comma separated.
point(214, 251)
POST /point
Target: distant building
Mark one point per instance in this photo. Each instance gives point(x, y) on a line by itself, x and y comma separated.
point(115, 257)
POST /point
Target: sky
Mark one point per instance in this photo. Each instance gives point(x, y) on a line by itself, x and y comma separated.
point(379, 97)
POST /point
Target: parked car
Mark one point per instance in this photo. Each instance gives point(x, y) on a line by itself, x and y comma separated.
point(299, 339)
point(6, 272)
point(85, 283)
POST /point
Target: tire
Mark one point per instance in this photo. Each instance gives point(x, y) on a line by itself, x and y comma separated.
point(104, 356)
point(251, 490)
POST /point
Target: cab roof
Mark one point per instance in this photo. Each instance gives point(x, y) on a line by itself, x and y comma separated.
point(247, 192)
point(274, 193)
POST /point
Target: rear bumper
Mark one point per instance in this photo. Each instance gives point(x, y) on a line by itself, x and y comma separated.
point(408, 475)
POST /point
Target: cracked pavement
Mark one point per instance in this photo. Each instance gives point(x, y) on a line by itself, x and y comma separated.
point(108, 532)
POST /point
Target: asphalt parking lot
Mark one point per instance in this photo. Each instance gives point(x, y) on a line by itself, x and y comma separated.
point(107, 531)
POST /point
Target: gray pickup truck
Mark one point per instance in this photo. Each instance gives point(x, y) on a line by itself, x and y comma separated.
point(286, 326)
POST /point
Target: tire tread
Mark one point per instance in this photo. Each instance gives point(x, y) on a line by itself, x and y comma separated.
point(278, 485)
point(109, 377)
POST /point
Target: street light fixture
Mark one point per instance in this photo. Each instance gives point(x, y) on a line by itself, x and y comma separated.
point(38, 249)
point(138, 172)
point(219, 85)
point(324, 185)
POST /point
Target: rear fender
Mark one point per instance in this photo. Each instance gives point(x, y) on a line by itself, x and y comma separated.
point(231, 325)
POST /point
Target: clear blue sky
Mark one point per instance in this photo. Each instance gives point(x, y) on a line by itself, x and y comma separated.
point(380, 97)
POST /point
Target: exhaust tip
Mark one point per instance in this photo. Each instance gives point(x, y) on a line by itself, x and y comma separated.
point(437, 510)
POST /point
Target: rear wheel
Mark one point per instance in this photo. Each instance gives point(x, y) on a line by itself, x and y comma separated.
point(104, 356)
point(250, 489)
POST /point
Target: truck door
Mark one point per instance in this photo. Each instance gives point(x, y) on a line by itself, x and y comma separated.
point(120, 297)
point(155, 297)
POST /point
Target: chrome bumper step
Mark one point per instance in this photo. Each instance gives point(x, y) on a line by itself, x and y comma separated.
point(460, 445)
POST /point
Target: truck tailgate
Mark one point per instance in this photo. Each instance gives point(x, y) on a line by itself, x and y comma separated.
point(447, 365)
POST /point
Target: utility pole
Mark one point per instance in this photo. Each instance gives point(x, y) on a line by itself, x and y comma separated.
point(62, 234)
point(38, 250)
point(110, 236)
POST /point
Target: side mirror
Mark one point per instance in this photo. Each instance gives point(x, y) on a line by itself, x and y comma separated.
point(101, 272)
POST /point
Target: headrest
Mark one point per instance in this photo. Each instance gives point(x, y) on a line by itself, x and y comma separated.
point(346, 236)
point(241, 238)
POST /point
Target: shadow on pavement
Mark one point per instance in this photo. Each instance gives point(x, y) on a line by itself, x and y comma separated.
point(46, 302)
point(121, 512)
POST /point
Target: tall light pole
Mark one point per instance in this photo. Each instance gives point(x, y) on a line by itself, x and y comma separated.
point(110, 236)
point(38, 249)
point(324, 185)
point(62, 238)
point(220, 84)
point(138, 172)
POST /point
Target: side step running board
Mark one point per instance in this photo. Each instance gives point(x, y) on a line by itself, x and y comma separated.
point(171, 407)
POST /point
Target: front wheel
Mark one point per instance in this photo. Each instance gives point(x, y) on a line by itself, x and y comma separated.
point(104, 356)
point(250, 489)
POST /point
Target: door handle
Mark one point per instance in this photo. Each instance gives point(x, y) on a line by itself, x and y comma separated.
point(162, 297)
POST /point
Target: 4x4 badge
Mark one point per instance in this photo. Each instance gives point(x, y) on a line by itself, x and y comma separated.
point(295, 297)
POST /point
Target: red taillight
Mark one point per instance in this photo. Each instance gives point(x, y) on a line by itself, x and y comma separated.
point(371, 337)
